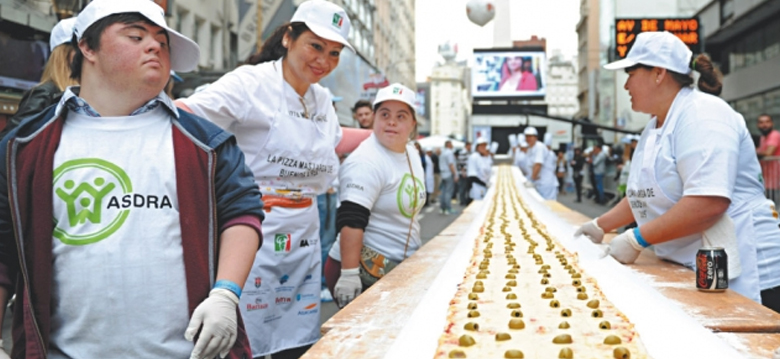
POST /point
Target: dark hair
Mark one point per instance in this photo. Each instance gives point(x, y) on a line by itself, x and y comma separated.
point(92, 37)
point(765, 115)
point(273, 49)
point(709, 75)
point(361, 103)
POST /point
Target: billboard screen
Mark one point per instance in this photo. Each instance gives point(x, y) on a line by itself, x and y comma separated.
point(627, 29)
point(508, 74)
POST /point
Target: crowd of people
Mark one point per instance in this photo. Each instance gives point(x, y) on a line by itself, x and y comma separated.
point(193, 222)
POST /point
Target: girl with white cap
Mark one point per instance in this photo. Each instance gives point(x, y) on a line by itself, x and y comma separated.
point(693, 172)
point(382, 190)
point(286, 125)
point(55, 77)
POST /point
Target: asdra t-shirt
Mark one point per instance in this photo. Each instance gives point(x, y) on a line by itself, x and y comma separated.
point(119, 285)
point(379, 179)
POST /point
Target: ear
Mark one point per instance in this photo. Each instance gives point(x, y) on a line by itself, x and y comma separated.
point(89, 54)
point(660, 74)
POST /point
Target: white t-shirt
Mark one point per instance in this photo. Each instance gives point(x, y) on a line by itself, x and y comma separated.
point(711, 153)
point(119, 284)
point(245, 100)
point(538, 153)
point(379, 179)
point(446, 159)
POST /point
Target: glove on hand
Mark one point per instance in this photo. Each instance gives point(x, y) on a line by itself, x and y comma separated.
point(625, 248)
point(217, 315)
point(530, 184)
point(591, 230)
point(348, 287)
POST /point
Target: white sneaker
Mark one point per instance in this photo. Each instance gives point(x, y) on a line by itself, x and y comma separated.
point(325, 296)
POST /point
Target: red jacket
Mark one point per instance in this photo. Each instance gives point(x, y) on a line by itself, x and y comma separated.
point(213, 186)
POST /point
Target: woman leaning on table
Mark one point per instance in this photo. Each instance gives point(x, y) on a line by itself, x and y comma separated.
point(287, 127)
point(381, 191)
point(693, 172)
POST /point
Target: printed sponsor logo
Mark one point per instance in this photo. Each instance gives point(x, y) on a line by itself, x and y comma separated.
point(271, 318)
point(308, 242)
point(283, 300)
point(338, 21)
point(284, 279)
point(308, 278)
point(258, 282)
point(309, 309)
point(355, 186)
point(304, 297)
point(398, 91)
point(258, 305)
point(282, 243)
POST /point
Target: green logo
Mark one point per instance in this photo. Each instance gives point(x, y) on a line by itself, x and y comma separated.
point(89, 219)
point(337, 20)
point(282, 243)
point(410, 202)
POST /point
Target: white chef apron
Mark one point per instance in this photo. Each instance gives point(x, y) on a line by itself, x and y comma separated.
point(649, 201)
point(477, 191)
point(280, 304)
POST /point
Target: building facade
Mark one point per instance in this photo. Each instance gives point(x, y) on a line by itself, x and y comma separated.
point(450, 102)
point(743, 39)
point(394, 40)
point(562, 87)
point(587, 58)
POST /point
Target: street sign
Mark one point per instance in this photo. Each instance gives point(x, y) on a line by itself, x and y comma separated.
point(687, 29)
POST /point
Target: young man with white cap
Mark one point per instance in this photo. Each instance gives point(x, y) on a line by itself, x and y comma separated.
point(480, 167)
point(155, 215)
point(286, 125)
point(693, 173)
point(542, 170)
point(382, 191)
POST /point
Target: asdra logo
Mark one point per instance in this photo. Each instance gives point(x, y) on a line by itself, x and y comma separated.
point(282, 243)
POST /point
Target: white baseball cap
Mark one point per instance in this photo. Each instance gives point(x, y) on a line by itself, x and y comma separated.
point(481, 141)
point(523, 144)
point(657, 49)
point(530, 131)
point(396, 92)
point(62, 33)
point(185, 53)
point(326, 19)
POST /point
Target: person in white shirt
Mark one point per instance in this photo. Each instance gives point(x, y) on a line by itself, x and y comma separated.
point(449, 177)
point(694, 179)
point(542, 169)
point(382, 190)
point(479, 170)
point(521, 158)
point(286, 125)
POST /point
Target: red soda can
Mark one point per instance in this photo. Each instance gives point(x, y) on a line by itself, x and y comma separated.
point(712, 273)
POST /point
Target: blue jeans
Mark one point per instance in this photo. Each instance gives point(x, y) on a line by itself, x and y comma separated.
point(326, 204)
point(447, 187)
point(600, 188)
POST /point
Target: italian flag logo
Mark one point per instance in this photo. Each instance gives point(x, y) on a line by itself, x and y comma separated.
point(398, 91)
point(338, 20)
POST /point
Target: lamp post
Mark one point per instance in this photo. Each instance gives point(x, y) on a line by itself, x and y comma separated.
point(65, 8)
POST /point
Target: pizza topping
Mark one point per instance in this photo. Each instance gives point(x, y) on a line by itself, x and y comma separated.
point(513, 305)
point(457, 353)
point(473, 313)
point(597, 313)
point(466, 340)
point(564, 325)
point(593, 304)
point(516, 324)
point(582, 296)
point(555, 303)
point(562, 339)
point(605, 325)
point(517, 314)
point(621, 353)
point(566, 353)
point(505, 336)
point(513, 354)
point(566, 313)
point(471, 326)
point(612, 340)
point(472, 305)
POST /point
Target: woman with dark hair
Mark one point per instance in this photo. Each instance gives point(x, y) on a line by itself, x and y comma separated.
point(694, 179)
point(288, 129)
point(516, 75)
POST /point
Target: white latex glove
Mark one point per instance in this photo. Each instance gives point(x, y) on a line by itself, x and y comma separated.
point(3, 354)
point(625, 248)
point(348, 287)
point(530, 184)
point(591, 230)
point(217, 315)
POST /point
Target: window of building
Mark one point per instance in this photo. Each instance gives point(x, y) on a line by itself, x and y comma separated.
point(726, 10)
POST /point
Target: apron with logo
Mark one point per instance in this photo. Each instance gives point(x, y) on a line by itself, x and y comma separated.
point(648, 201)
point(281, 299)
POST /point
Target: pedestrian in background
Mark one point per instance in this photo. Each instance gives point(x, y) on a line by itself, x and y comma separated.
point(434, 155)
point(577, 164)
point(382, 191)
point(363, 114)
point(286, 125)
point(598, 161)
point(541, 166)
point(55, 77)
point(168, 268)
point(449, 177)
point(464, 185)
point(561, 168)
point(769, 146)
point(480, 168)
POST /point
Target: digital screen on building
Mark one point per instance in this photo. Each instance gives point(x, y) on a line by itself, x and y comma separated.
point(626, 31)
point(508, 74)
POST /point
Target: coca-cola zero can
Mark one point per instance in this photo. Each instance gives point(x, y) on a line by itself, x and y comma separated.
point(712, 269)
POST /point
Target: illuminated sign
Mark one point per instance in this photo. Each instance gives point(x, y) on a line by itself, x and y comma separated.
point(627, 29)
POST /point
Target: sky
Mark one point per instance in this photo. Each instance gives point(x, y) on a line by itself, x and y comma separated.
point(439, 21)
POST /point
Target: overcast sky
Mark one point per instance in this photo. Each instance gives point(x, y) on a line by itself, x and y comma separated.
point(438, 21)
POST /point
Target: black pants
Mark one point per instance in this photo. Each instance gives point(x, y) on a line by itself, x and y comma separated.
point(293, 353)
point(771, 298)
point(578, 187)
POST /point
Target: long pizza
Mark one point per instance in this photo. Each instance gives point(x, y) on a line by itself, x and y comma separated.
point(524, 296)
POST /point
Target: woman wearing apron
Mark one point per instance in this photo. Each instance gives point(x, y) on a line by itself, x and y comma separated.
point(693, 170)
point(287, 127)
point(479, 169)
point(381, 191)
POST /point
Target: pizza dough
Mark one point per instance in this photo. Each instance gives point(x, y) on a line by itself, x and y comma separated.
point(524, 296)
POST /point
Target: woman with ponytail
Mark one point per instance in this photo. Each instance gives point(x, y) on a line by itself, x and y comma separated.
point(694, 180)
